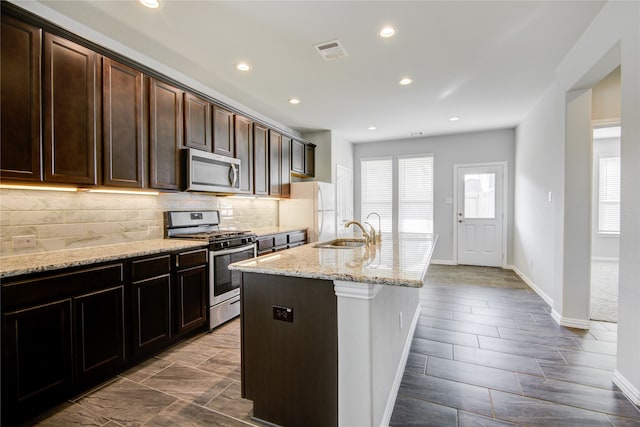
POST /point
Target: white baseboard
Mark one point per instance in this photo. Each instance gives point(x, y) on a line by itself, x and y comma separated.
point(395, 386)
point(443, 262)
point(632, 393)
point(542, 294)
point(574, 323)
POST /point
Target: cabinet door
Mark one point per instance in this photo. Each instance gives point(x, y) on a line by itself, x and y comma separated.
point(285, 167)
point(165, 135)
point(310, 160)
point(122, 118)
point(36, 348)
point(197, 122)
point(222, 131)
point(275, 149)
point(99, 332)
point(297, 156)
point(69, 112)
point(151, 314)
point(261, 160)
point(20, 49)
point(190, 299)
point(244, 152)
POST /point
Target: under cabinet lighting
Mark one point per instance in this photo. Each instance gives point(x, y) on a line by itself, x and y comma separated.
point(37, 188)
point(112, 191)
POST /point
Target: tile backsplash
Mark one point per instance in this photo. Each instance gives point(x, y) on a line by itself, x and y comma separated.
point(62, 220)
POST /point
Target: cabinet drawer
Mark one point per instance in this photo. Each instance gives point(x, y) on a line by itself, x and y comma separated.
point(265, 244)
point(298, 236)
point(280, 239)
point(33, 291)
point(191, 258)
point(150, 267)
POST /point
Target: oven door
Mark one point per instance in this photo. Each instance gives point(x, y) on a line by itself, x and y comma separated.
point(223, 283)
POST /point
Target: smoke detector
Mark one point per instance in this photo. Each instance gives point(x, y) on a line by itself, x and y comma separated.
point(331, 50)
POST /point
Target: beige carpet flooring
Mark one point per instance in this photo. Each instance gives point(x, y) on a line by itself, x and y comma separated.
point(604, 291)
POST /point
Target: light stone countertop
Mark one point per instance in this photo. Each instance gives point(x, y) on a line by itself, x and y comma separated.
point(396, 261)
point(11, 266)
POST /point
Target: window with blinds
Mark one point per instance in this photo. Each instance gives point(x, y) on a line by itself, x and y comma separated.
point(415, 194)
point(414, 191)
point(609, 195)
point(377, 191)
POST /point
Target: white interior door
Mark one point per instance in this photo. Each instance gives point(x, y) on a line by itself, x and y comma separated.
point(480, 215)
point(344, 198)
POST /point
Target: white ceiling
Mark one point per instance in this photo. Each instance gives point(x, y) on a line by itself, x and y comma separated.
point(486, 62)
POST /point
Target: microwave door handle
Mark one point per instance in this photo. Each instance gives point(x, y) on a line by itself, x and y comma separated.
point(235, 175)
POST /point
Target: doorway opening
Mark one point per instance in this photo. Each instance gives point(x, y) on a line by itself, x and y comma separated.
point(605, 223)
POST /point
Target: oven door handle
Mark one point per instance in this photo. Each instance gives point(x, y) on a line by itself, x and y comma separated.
point(232, 250)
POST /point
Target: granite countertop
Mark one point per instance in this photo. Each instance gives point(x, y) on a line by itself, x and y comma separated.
point(11, 266)
point(265, 231)
point(400, 260)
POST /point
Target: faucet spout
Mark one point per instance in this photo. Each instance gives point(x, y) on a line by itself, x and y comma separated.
point(378, 234)
point(367, 239)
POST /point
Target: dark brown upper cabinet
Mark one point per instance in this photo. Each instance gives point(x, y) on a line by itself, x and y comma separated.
point(165, 134)
point(70, 100)
point(285, 167)
point(243, 133)
point(123, 144)
point(310, 160)
point(297, 157)
point(197, 122)
point(20, 143)
point(275, 152)
point(261, 160)
point(223, 132)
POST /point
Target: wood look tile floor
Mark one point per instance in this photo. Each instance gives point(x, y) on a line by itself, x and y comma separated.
point(485, 353)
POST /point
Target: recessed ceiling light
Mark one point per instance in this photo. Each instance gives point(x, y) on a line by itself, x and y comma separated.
point(371, 128)
point(151, 4)
point(406, 81)
point(243, 66)
point(387, 31)
point(294, 101)
point(454, 119)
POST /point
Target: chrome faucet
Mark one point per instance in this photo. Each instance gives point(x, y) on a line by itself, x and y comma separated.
point(378, 234)
point(367, 239)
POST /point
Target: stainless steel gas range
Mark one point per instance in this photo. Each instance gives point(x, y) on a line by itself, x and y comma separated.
point(225, 247)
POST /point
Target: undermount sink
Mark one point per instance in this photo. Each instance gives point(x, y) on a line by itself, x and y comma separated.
point(341, 244)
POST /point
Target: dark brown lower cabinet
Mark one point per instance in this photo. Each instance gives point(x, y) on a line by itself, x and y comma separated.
point(37, 367)
point(190, 298)
point(99, 332)
point(290, 359)
point(151, 321)
point(60, 333)
point(67, 330)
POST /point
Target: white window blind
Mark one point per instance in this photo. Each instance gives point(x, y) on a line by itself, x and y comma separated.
point(415, 194)
point(609, 195)
point(377, 191)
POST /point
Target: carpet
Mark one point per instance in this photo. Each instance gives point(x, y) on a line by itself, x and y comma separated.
point(604, 291)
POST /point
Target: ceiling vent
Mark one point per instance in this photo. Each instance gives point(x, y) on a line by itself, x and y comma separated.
point(331, 50)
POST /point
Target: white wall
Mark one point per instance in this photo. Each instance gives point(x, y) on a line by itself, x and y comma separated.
point(331, 150)
point(475, 147)
point(612, 39)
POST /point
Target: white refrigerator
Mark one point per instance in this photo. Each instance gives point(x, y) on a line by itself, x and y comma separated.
point(311, 205)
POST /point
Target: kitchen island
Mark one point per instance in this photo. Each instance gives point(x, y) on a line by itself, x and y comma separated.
point(326, 331)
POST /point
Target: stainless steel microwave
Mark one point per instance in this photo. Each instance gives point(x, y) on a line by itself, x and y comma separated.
point(210, 172)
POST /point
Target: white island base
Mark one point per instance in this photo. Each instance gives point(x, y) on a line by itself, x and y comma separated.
point(375, 329)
